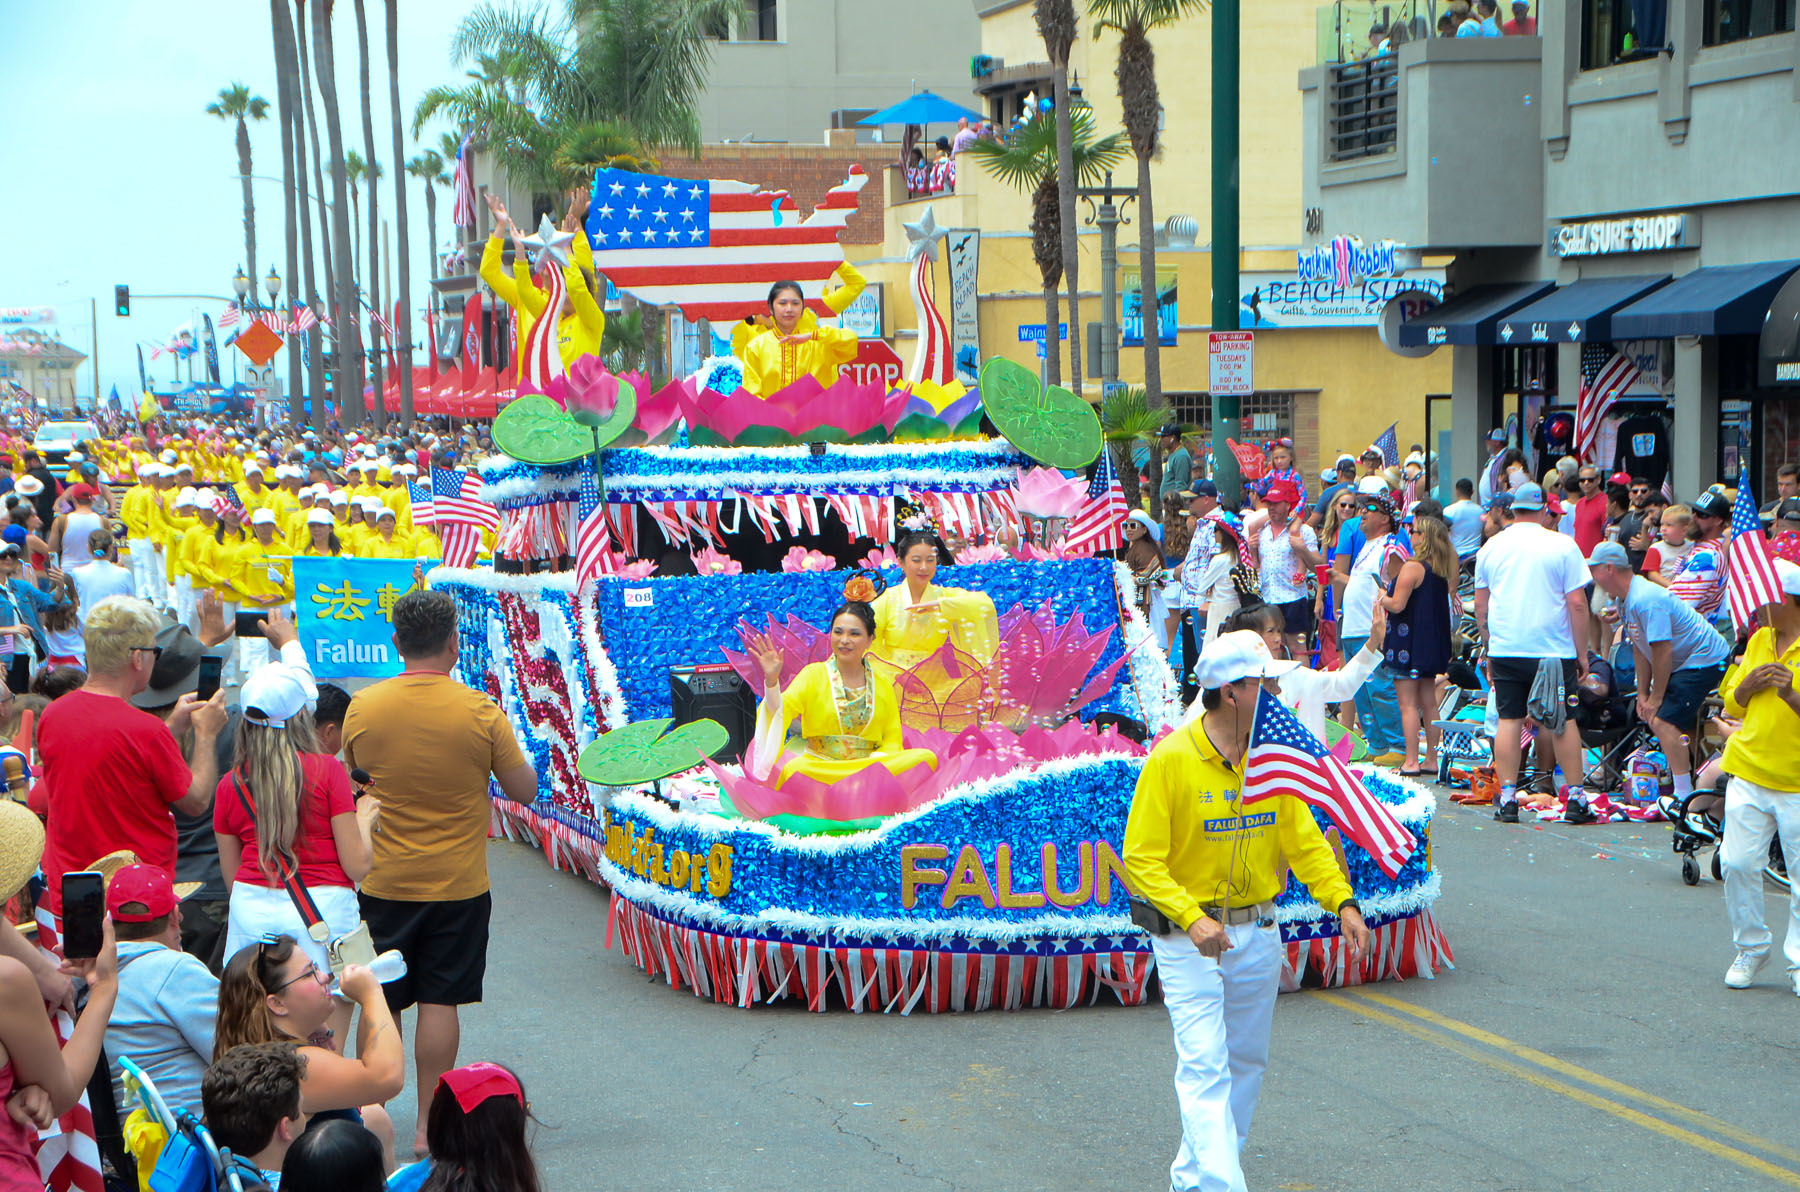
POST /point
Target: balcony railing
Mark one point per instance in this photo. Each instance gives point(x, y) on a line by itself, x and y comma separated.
point(1363, 99)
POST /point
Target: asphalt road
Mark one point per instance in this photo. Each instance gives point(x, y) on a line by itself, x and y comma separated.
point(1584, 1041)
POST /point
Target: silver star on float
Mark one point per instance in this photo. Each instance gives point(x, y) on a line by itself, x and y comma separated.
point(549, 243)
point(923, 237)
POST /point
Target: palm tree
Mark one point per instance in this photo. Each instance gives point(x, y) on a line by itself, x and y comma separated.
point(349, 338)
point(1126, 422)
point(294, 70)
point(638, 65)
point(403, 325)
point(428, 167)
point(1133, 20)
point(318, 159)
point(285, 69)
point(374, 278)
point(1057, 26)
point(236, 105)
point(1027, 160)
point(357, 171)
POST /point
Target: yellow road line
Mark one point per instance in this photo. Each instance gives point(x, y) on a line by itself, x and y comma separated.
point(1450, 1042)
point(1704, 1120)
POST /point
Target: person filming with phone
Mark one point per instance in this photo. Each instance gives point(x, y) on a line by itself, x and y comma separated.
point(1204, 872)
point(113, 773)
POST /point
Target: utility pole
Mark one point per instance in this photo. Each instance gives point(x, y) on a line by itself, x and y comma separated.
point(1226, 411)
point(94, 320)
point(1106, 203)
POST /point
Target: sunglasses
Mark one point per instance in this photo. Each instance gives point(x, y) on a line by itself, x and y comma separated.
point(156, 650)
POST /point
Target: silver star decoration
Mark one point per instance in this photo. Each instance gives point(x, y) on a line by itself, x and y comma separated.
point(548, 243)
point(923, 237)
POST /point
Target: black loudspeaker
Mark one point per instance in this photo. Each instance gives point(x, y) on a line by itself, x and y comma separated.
point(715, 692)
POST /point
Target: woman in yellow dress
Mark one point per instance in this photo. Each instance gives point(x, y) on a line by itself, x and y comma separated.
point(321, 536)
point(781, 355)
point(916, 619)
point(849, 716)
point(386, 541)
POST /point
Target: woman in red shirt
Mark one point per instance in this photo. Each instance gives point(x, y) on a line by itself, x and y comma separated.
point(286, 811)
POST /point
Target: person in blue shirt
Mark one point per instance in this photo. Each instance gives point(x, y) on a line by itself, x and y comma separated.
point(168, 1001)
point(1680, 657)
point(1465, 518)
point(20, 604)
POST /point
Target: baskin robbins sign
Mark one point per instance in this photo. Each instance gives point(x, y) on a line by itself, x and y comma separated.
point(1346, 259)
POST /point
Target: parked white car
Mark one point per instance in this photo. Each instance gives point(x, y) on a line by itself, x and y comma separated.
point(54, 440)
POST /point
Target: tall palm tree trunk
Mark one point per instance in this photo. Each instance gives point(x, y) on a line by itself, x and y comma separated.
point(402, 325)
point(1153, 394)
point(243, 155)
point(349, 337)
point(297, 85)
point(1057, 26)
point(284, 101)
point(376, 371)
point(318, 159)
point(431, 223)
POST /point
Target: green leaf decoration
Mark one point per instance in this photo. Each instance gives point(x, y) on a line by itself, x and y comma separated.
point(537, 430)
point(1052, 425)
point(639, 752)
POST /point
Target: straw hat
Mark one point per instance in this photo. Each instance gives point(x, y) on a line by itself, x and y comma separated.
point(21, 846)
point(109, 866)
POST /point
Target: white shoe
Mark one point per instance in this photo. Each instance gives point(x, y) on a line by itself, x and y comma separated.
point(1743, 970)
point(1794, 979)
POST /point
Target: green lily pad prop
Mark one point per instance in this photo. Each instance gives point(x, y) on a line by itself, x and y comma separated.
point(538, 431)
point(640, 752)
point(607, 430)
point(1052, 425)
point(1335, 732)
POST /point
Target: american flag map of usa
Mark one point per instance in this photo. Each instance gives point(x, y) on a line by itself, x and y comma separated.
point(714, 248)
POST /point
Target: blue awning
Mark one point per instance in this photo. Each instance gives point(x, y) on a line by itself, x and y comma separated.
point(1470, 318)
point(1576, 313)
point(1718, 300)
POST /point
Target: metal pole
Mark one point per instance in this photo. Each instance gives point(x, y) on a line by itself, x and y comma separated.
point(1226, 411)
point(1108, 219)
point(94, 315)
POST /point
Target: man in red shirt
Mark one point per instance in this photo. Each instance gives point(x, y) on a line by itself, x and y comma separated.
point(1590, 512)
point(112, 772)
point(1523, 23)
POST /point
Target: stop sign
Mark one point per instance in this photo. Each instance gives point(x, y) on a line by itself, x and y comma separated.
point(875, 364)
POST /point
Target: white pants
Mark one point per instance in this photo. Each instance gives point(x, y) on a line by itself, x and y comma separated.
point(259, 910)
point(1221, 1011)
point(1754, 814)
point(147, 572)
point(187, 605)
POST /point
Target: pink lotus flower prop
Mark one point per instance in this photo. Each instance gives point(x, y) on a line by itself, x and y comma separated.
point(1046, 492)
point(1039, 666)
point(799, 643)
point(875, 560)
point(799, 559)
point(708, 561)
point(796, 412)
point(658, 412)
point(635, 568)
point(987, 552)
point(974, 755)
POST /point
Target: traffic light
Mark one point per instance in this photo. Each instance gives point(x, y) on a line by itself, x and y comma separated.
point(122, 300)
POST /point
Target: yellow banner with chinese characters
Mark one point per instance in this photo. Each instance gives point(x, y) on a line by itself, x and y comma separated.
point(344, 611)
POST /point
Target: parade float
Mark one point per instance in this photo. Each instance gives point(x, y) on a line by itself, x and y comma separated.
point(989, 879)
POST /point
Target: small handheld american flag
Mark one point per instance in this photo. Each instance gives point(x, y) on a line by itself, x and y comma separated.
point(1099, 524)
point(1389, 445)
point(593, 538)
point(460, 514)
point(1286, 759)
point(424, 510)
point(1750, 578)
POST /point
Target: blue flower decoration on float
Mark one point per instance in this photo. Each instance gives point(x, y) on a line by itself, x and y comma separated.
point(721, 374)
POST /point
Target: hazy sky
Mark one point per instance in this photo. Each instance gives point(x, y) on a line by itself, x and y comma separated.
point(112, 172)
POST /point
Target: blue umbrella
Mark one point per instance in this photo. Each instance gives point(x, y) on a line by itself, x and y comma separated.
point(923, 108)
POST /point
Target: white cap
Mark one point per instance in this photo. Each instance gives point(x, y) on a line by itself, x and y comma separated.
point(387, 512)
point(368, 450)
point(1238, 655)
point(184, 466)
point(272, 694)
point(168, 457)
point(1790, 576)
point(186, 496)
point(339, 497)
point(75, 457)
point(205, 497)
point(253, 466)
point(144, 469)
point(372, 505)
point(408, 469)
point(263, 517)
point(1370, 486)
point(319, 517)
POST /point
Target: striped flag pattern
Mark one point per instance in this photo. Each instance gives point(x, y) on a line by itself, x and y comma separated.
point(713, 248)
point(1099, 524)
point(1612, 375)
point(931, 354)
point(460, 514)
point(541, 359)
point(1285, 759)
point(593, 538)
point(1750, 579)
point(69, 1152)
point(228, 318)
point(424, 510)
point(462, 212)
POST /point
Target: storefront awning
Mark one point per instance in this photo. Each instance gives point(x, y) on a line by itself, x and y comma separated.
point(1719, 300)
point(1780, 346)
point(1470, 318)
point(1576, 313)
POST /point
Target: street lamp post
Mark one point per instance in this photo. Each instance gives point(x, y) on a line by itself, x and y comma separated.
point(1105, 210)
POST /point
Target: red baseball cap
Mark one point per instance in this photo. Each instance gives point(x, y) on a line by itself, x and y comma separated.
point(145, 884)
point(82, 492)
point(1619, 478)
point(1282, 491)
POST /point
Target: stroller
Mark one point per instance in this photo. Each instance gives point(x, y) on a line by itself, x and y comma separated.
point(1605, 713)
point(190, 1161)
point(1699, 822)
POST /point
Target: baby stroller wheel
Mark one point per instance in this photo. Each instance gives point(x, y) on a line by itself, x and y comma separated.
point(1718, 873)
point(1690, 870)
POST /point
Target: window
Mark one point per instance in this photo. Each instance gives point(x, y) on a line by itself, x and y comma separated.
point(756, 20)
point(1615, 31)
point(761, 26)
point(1736, 20)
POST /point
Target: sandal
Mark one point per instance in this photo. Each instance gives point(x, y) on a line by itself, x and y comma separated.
point(1405, 773)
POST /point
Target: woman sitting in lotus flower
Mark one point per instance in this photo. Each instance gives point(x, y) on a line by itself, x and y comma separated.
point(785, 352)
point(849, 716)
point(916, 618)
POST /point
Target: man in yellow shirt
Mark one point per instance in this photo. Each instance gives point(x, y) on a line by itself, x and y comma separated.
point(136, 511)
point(1209, 870)
point(178, 519)
point(258, 574)
point(1763, 797)
point(252, 491)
